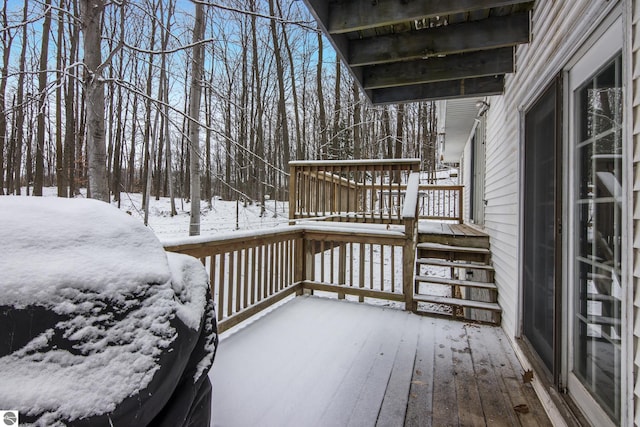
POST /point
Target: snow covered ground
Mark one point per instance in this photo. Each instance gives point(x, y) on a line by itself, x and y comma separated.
point(224, 216)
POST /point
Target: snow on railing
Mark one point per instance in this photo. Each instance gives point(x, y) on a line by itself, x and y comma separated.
point(248, 273)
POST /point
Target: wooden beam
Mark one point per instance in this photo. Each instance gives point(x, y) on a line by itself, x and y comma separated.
point(354, 15)
point(452, 67)
point(482, 86)
point(491, 33)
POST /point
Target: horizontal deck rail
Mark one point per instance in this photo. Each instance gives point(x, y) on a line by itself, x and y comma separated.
point(250, 271)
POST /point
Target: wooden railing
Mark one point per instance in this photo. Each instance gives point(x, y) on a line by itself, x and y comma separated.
point(249, 272)
point(368, 191)
point(440, 202)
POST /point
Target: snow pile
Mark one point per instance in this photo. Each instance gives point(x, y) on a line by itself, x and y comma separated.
point(107, 283)
point(53, 244)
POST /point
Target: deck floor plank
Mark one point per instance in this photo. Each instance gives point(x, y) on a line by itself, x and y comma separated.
point(363, 363)
point(373, 390)
point(317, 361)
point(445, 400)
point(420, 404)
point(495, 402)
point(519, 392)
point(470, 411)
point(394, 405)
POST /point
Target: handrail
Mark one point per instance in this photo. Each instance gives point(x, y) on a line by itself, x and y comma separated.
point(412, 163)
point(410, 208)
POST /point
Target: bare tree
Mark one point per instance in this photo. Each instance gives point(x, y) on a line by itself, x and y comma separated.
point(322, 114)
point(197, 72)
point(7, 40)
point(42, 97)
point(91, 16)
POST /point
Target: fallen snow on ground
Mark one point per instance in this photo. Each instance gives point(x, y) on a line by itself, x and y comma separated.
point(114, 291)
point(222, 216)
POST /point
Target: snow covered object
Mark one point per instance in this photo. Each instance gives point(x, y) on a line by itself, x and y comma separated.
point(98, 324)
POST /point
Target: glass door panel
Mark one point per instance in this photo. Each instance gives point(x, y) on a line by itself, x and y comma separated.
point(541, 209)
point(598, 238)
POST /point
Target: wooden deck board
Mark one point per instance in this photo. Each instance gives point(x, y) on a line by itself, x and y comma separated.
point(394, 406)
point(316, 361)
point(470, 412)
point(420, 403)
point(496, 406)
point(445, 401)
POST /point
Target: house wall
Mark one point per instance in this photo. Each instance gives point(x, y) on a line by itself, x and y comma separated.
point(465, 179)
point(634, 54)
point(559, 28)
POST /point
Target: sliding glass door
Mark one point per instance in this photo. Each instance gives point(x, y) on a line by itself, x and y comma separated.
point(542, 215)
point(596, 245)
point(598, 238)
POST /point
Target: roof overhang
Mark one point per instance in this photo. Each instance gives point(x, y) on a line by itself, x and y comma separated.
point(416, 50)
point(457, 119)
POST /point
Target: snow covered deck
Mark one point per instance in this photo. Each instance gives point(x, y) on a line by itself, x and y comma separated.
point(315, 361)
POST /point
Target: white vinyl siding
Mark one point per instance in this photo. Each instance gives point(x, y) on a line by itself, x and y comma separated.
point(558, 29)
point(465, 179)
point(634, 23)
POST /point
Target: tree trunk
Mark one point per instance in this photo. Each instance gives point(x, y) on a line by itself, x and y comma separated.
point(42, 96)
point(19, 122)
point(399, 137)
point(259, 132)
point(6, 54)
point(357, 122)
point(335, 138)
point(146, 154)
point(282, 110)
point(61, 176)
point(91, 13)
point(197, 71)
point(70, 131)
point(322, 115)
point(299, 142)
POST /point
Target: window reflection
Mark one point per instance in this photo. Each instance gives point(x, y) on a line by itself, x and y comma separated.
point(598, 237)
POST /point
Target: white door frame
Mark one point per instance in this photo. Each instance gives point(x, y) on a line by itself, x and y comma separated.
point(604, 45)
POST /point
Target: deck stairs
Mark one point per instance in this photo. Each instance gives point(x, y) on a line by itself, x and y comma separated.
point(454, 276)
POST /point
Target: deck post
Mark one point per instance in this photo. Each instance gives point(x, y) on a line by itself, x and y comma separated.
point(293, 196)
point(342, 268)
point(410, 218)
point(308, 263)
point(298, 263)
point(460, 206)
point(408, 263)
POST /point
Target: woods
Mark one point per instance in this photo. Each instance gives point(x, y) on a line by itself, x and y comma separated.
point(183, 99)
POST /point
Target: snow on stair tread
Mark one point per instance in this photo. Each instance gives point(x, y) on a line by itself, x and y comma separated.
point(454, 282)
point(451, 248)
point(458, 301)
point(454, 264)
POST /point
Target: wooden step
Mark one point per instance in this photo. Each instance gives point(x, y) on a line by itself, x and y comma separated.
point(450, 248)
point(442, 263)
point(490, 306)
point(455, 282)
